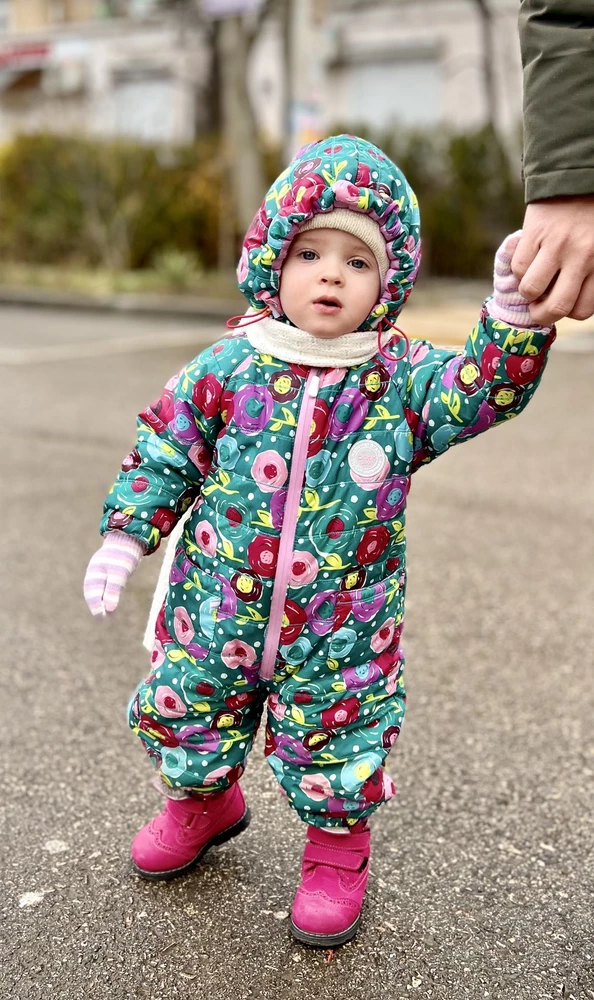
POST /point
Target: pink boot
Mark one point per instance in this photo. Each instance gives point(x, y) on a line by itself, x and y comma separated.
point(174, 841)
point(327, 906)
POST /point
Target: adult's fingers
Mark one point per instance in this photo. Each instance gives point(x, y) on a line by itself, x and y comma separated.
point(539, 276)
point(524, 253)
point(584, 305)
point(559, 299)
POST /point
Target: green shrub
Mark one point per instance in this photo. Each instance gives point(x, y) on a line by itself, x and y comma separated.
point(470, 195)
point(178, 268)
point(114, 204)
point(123, 205)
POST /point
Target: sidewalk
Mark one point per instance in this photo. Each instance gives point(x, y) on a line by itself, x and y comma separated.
point(482, 875)
point(451, 322)
point(443, 312)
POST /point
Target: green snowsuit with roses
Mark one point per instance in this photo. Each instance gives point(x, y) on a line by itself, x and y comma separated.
point(299, 493)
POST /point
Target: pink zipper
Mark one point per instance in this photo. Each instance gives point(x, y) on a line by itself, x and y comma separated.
point(285, 551)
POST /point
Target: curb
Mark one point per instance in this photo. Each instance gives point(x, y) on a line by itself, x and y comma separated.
point(198, 306)
point(573, 335)
point(124, 302)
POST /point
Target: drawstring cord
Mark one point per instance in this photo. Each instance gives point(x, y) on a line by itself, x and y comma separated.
point(234, 322)
point(381, 328)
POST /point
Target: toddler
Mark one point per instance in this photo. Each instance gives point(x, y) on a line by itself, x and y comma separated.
point(291, 445)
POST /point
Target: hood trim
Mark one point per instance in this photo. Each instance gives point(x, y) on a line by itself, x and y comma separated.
point(340, 172)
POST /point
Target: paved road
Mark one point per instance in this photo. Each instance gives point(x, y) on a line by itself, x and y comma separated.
point(483, 870)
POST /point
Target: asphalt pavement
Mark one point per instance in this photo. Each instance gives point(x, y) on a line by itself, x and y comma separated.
point(482, 879)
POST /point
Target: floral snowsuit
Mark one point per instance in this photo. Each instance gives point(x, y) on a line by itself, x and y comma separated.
point(289, 581)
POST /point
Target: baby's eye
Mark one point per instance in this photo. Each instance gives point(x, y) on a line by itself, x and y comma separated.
point(307, 254)
point(359, 263)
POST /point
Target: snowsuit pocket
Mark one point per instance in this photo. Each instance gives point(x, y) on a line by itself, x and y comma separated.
point(366, 622)
point(192, 606)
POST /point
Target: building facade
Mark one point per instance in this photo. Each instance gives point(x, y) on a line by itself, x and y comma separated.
point(111, 70)
point(423, 62)
point(411, 63)
point(125, 68)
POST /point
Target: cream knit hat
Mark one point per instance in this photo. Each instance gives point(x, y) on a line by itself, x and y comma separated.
point(358, 224)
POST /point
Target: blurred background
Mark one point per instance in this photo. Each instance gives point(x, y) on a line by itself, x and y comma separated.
point(137, 137)
point(136, 140)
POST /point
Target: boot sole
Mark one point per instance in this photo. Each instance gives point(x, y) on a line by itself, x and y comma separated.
point(325, 940)
point(221, 838)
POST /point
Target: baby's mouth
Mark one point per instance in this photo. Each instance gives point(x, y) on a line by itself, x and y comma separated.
point(327, 304)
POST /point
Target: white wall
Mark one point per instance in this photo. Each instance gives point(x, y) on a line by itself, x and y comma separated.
point(418, 61)
point(427, 54)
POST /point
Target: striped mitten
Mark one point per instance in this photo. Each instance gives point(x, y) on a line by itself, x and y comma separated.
point(507, 304)
point(109, 569)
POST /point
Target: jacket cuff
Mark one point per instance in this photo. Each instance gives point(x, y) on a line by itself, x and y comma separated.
point(576, 183)
point(127, 543)
point(148, 533)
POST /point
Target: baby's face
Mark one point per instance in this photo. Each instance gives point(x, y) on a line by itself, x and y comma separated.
point(330, 282)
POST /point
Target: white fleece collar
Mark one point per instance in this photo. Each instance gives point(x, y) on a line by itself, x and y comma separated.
point(290, 344)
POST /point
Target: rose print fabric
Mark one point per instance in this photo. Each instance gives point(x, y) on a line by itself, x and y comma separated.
point(221, 438)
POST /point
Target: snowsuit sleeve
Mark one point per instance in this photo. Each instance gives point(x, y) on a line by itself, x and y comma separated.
point(557, 42)
point(454, 395)
point(175, 439)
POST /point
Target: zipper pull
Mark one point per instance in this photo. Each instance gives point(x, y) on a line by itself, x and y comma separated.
point(314, 386)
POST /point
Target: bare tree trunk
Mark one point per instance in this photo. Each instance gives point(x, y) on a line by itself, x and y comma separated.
point(211, 117)
point(488, 60)
point(287, 51)
point(230, 41)
point(242, 152)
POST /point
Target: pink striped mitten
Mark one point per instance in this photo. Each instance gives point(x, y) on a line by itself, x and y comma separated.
point(109, 569)
point(507, 304)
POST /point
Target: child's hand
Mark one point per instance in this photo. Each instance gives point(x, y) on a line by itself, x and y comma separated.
point(109, 569)
point(507, 304)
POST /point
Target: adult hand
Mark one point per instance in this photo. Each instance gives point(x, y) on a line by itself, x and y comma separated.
point(554, 259)
point(109, 569)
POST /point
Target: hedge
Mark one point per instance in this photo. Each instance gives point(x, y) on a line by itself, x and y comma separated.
point(123, 205)
point(114, 204)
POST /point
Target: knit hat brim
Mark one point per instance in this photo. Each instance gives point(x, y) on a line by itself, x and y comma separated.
point(357, 224)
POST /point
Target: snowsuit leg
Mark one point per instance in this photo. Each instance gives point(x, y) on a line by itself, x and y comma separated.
point(198, 711)
point(335, 703)
point(332, 721)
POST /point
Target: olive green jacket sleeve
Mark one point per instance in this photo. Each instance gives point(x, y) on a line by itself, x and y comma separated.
point(557, 42)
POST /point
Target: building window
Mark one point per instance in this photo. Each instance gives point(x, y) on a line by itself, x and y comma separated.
point(403, 90)
point(144, 104)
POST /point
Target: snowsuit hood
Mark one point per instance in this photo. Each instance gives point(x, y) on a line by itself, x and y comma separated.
point(343, 172)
